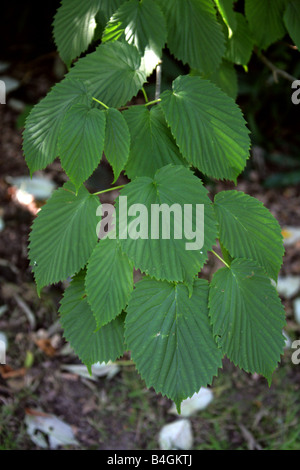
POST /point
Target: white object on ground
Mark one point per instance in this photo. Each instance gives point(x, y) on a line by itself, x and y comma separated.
point(3, 338)
point(16, 105)
point(11, 84)
point(291, 235)
point(3, 66)
point(1, 224)
point(43, 426)
point(288, 286)
point(177, 435)
point(3, 347)
point(199, 401)
point(296, 305)
point(102, 369)
point(288, 341)
point(3, 309)
point(38, 187)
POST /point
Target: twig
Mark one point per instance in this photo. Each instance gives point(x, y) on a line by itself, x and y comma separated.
point(23, 306)
point(275, 70)
point(12, 267)
point(249, 438)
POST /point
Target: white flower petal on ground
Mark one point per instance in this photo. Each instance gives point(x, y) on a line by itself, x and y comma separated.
point(177, 435)
point(296, 305)
point(291, 235)
point(102, 369)
point(37, 187)
point(3, 347)
point(3, 66)
point(4, 339)
point(288, 286)
point(43, 427)
point(16, 105)
point(11, 84)
point(199, 401)
point(288, 341)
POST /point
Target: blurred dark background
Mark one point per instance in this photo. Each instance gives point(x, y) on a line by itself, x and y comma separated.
point(26, 29)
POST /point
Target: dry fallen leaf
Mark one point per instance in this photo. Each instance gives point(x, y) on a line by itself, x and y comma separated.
point(7, 372)
point(45, 345)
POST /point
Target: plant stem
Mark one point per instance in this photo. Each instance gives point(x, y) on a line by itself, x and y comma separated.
point(109, 189)
point(124, 363)
point(100, 102)
point(158, 81)
point(148, 103)
point(221, 259)
point(145, 95)
point(123, 107)
point(225, 254)
point(152, 102)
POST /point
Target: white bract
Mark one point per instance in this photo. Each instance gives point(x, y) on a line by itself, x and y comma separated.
point(177, 435)
point(199, 401)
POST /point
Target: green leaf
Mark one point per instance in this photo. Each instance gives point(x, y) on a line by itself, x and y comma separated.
point(78, 322)
point(117, 141)
point(141, 24)
point(166, 255)
point(194, 34)
point(292, 21)
point(225, 8)
point(152, 144)
point(81, 142)
point(40, 137)
point(208, 126)
point(240, 43)
point(170, 337)
point(73, 27)
point(248, 230)
point(265, 20)
point(112, 73)
point(109, 281)
point(225, 77)
point(247, 317)
point(63, 235)
point(108, 7)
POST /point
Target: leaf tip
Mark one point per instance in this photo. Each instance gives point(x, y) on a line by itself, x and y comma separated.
point(116, 176)
point(39, 289)
point(269, 379)
point(89, 368)
point(178, 406)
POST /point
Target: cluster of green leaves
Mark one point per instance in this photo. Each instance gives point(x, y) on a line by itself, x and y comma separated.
point(178, 327)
